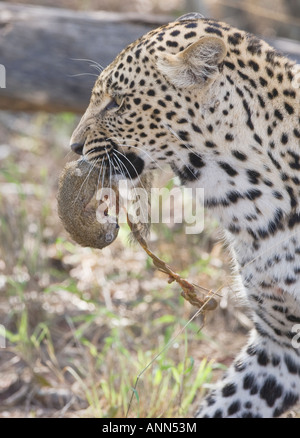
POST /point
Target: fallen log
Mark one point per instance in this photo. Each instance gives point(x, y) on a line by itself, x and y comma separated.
point(40, 49)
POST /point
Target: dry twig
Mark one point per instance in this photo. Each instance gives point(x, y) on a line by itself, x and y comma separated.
point(188, 289)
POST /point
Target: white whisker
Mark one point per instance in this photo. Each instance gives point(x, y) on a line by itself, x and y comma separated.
point(124, 167)
point(99, 69)
point(142, 185)
point(118, 166)
point(94, 63)
point(100, 173)
point(118, 140)
point(82, 74)
point(86, 179)
point(103, 175)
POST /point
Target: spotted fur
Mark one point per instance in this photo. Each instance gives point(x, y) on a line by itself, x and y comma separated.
point(220, 106)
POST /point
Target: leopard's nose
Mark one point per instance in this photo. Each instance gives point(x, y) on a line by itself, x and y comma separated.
point(77, 148)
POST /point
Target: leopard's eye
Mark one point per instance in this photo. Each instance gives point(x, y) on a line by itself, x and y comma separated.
point(111, 106)
point(114, 104)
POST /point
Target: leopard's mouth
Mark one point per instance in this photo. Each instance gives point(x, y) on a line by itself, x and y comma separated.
point(116, 163)
point(111, 157)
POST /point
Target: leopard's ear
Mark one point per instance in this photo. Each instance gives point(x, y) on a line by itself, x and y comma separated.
point(197, 65)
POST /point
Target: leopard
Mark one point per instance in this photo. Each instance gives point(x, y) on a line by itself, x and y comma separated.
point(220, 106)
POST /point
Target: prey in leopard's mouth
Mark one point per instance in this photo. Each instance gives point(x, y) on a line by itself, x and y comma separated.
point(77, 186)
point(84, 202)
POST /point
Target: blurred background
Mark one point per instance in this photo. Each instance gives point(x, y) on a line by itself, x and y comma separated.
point(267, 18)
point(77, 326)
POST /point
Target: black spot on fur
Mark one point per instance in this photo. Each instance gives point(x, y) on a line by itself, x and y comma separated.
point(284, 138)
point(190, 35)
point(211, 29)
point(239, 155)
point(172, 43)
point(257, 139)
point(293, 318)
point(234, 196)
point(229, 137)
point(294, 219)
point(187, 173)
point(293, 199)
point(274, 161)
point(270, 391)
point(290, 364)
point(183, 135)
point(252, 350)
point(248, 381)
point(196, 128)
point(289, 400)
point(227, 168)
point(234, 408)
point(210, 400)
point(253, 65)
point(296, 133)
point(210, 144)
point(289, 108)
point(262, 358)
point(229, 390)
point(218, 414)
point(249, 121)
point(254, 46)
point(234, 39)
point(275, 360)
point(191, 25)
point(230, 65)
point(263, 82)
point(133, 163)
point(240, 366)
point(253, 176)
point(253, 194)
point(278, 114)
point(196, 160)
